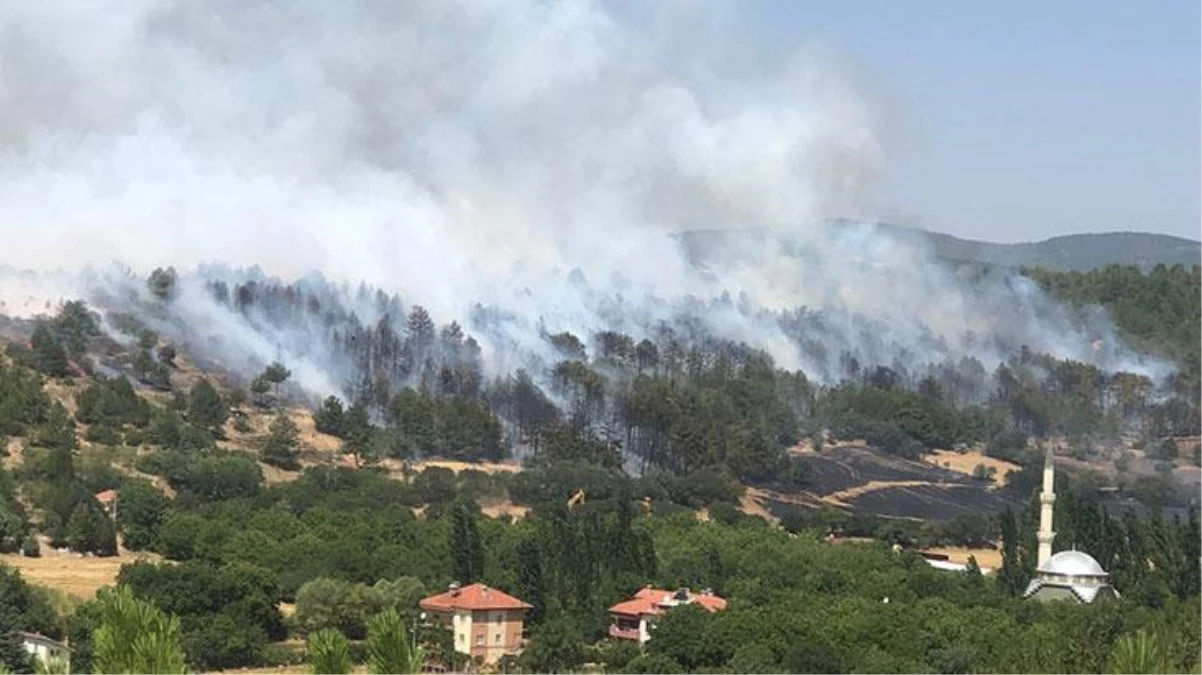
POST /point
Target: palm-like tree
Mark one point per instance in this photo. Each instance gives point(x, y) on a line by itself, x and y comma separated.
point(389, 647)
point(55, 665)
point(329, 652)
point(135, 636)
point(1141, 652)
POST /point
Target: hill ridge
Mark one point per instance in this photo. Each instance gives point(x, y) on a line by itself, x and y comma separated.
point(1076, 251)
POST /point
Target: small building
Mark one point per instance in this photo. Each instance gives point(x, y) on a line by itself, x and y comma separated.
point(635, 618)
point(942, 561)
point(46, 649)
point(108, 502)
point(1071, 575)
point(487, 623)
point(1068, 575)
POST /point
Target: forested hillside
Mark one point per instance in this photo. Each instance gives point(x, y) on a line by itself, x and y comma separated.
point(666, 434)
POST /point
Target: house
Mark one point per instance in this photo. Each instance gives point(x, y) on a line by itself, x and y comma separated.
point(46, 649)
point(942, 561)
point(635, 618)
point(487, 623)
point(108, 502)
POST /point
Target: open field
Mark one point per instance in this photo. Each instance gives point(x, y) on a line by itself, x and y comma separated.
point(74, 574)
point(967, 462)
point(505, 508)
point(986, 557)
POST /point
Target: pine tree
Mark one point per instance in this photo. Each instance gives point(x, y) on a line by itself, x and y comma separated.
point(275, 374)
point(1190, 533)
point(280, 449)
point(329, 418)
point(49, 355)
point(205, 407)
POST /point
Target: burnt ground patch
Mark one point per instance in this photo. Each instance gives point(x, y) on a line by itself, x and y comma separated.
point(866, 481)
point(844, 467)
point(931, 502)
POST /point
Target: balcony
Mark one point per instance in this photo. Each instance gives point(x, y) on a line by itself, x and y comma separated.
point(616, 631)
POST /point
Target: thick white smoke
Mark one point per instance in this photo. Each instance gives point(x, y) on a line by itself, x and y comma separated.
point(462, 152)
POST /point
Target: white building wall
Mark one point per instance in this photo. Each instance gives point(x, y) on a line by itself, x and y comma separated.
point(461, 623)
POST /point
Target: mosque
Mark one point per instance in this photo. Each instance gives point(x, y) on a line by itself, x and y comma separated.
point(1068, 575)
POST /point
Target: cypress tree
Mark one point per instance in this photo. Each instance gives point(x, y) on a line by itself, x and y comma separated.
point(1012, 576)
point(467, 550)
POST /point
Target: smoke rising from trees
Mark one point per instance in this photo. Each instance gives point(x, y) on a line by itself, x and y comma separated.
point(534, 159)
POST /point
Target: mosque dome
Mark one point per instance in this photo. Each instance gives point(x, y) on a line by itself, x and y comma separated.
point(1073, 564)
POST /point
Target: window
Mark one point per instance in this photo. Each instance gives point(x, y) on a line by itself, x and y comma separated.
point(480, 639)
point(496, 638)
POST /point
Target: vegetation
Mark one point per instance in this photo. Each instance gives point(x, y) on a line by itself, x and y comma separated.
point(651, 430)
point(135, 636)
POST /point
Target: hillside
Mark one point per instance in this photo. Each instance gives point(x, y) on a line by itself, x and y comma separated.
point(235, 505)
point(1074, 251)
point(1068, 252)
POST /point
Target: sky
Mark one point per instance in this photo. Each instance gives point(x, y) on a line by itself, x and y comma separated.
point(1012, 121)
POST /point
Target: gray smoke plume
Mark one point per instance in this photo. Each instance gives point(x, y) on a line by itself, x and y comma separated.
point(467, 153)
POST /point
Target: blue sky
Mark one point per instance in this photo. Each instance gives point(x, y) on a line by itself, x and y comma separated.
point(1021, 120)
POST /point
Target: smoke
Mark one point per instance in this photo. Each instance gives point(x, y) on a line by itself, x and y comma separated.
point(468, 153)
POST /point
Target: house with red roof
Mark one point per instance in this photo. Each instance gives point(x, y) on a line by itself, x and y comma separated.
point(634, 619)
point(108, 502)
point(487, 623)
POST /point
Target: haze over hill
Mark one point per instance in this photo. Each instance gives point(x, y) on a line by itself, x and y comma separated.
point(1066, 252)
point(534, 187)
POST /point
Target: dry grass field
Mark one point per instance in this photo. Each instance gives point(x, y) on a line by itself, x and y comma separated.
point(967, 462)
point(71, 573)
point(486, 467)
point(986, 557)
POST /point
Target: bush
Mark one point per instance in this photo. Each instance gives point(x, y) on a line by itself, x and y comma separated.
point(103, 434)
point(983, 473)
point(30, 548)
point(12, 529)
point(1166, 450)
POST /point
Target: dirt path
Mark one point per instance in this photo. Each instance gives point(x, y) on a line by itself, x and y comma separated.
point(752, 503)
point(15, 448)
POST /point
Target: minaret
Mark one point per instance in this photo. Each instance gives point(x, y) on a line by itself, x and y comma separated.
point(1046, 498)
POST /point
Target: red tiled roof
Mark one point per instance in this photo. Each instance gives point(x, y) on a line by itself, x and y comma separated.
point(648, 601)
point(473, 597)
point(106, 496)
